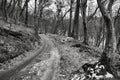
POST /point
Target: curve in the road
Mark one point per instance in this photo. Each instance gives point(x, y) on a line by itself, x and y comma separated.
point(6, 75)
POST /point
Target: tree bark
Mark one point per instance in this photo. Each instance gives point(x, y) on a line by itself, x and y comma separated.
point(58, 17)
point(70, 21)
point(26, 17)
point(4, 9)
point(18, 11)
point(24, 6)
point(109, 54)
point(83, 11)
point(13, 8)
point(60, 21)
point(76, 21)
point(8, 7)
point(35, 20)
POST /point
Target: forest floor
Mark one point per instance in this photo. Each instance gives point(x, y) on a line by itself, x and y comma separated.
point(15, 47)
point(58, 62)
point(63, 55)
point(72, 57)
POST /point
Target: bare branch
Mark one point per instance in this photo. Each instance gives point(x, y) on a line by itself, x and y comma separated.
point(110, 5)
point(25, 4)
point(63, 16)
point(118, 14)
point(8, 7)
point(102, 8)
point(91, 16)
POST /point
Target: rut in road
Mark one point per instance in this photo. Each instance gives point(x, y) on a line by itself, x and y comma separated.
point(44, 69)
point(11, 73)
point(54, 59)
point(49, 74)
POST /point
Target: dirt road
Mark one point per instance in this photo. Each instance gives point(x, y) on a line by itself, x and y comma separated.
point(6, 75)
point(52, 62)
point(49, 74)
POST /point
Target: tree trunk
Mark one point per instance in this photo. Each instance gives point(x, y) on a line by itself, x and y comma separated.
point(83, 10)
point(70, 21)
point(26, 17)
point(18, 11)
point(58, 20)
point(4, 9)
point(40, 13)
point(13, 8)
point(55, 27)
point(109, 56)
point(35, 21)
point(99, 36)
point(76, 21)
point(1, 7)
point(40, 19)
point(8, 7)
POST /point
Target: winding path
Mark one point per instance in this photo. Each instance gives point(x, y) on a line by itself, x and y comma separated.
point(54, 59)
point(50, 73)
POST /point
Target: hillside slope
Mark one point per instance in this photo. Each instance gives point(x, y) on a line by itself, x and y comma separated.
point(15, 41)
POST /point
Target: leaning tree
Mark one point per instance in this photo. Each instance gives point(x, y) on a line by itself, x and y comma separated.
point(109, 56)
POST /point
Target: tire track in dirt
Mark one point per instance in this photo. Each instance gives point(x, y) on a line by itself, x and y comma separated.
point(6, 75)
point(54, 59)
point(53, 64)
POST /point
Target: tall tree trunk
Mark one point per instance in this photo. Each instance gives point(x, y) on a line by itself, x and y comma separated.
point(83, 10)
point(109, 55)
point(4, 9)
point(35, 14)
point(35, 20)
point(1, 7)
point(55, 27)
point(58, 19)
point(18, 11)
point(26, 17)
point(70, 21)
point(76, 21)
point(40, 19)
point(40, 13)
point(13, 8)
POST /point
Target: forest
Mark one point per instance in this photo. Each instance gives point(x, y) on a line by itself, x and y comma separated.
point(59, 40)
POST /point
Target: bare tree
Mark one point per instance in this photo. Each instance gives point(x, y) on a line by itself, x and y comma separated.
point(35, 20)
point(70, 21)
point(17, 17)
point(59, 8)
point(76, 21)
point(8, 7)
point(4, 9)
point(109, 56)
point(26, 14)
point(83, 12)
point(13, 8)
point(42, 4)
